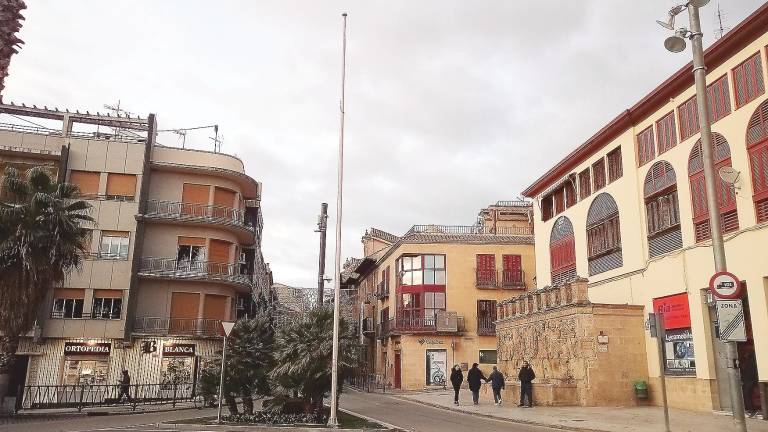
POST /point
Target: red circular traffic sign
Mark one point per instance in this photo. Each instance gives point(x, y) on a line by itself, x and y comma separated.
point(725, 285)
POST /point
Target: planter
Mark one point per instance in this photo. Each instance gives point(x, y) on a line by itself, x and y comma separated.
point(641, 389)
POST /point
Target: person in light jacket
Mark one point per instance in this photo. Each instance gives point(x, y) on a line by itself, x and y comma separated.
point(526, 377)
point(474, 379)
point(497, 384)
point(457, 377)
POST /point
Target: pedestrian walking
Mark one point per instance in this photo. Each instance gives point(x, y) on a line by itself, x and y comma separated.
point(497, 384)
point(457, 377)
point(526, 377)
point(474, 379)
point(125, 386)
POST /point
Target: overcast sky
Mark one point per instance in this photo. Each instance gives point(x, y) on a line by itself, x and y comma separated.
point(450, 105)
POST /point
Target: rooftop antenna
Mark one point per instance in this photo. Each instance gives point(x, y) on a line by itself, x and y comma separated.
point(182, 133)
point(117, 110)
point(216, 140)
point(721, 28)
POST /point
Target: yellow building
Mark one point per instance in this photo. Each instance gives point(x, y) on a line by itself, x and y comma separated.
point(626, 210)
point(175, 250)
point(427, 300)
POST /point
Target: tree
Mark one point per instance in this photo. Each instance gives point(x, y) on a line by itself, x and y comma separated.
point(250, 357)
point(303, 356)
point(10, 24)
point(42, 240)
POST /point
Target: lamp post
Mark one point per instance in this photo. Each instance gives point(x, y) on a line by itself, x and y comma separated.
point(676, 43)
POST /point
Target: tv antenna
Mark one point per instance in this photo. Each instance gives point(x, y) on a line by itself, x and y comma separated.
point(721, 28)
point(115, 108)
point(182, 133)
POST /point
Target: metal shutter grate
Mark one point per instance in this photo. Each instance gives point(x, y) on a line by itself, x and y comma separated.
point(666, 242)
point(761, 209)
point(605, 263)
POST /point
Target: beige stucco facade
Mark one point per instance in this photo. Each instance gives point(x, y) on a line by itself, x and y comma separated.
point(687, 269)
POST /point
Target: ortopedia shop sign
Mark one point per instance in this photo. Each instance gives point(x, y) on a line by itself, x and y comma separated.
point(179, 350)
point(87, 348)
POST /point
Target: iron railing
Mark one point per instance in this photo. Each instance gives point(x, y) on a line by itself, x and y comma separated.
point(470, 229)
point(513, 203)
point(485, 326)
point(368, 326)
point(368, 382)
point(382, 290)
point(408, 325)
point(90, 395)
point(513, 279)
point(166, 326)
point(183, 211)
point(172, 268)
point(492, 279)
point(486, 279)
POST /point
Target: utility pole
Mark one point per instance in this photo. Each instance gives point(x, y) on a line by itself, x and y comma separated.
point(322, 227)
point(333, 419)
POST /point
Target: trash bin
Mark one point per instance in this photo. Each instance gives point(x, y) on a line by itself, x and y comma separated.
point(641, 389)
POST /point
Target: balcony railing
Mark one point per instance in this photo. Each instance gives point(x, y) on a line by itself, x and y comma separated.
point(368, 327)
point(507, 279)
point(166, 326)
point(382, 290)
point(172, 268)
point(485, 326)
point(470, 229)
point(410, 325)
point(198, 213)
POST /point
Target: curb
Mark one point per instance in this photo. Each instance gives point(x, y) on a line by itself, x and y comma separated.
point(39, 415)
point(389, 426)
point(503, 419)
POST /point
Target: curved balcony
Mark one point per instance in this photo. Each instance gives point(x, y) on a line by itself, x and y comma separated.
point(205, 271)
point(233, 219)
point(167, 326)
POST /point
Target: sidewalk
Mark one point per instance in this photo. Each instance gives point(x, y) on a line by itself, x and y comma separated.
point(604, 419)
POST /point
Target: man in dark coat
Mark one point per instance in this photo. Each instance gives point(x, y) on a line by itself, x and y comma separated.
point(474, 379)
point(526, 377)
point(457, 377)
point(497, 384)
point(125, 386)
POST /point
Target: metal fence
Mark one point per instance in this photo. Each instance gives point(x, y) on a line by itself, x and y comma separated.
point(368, 382)
point(177, 326)
point(191, 211)
point(470, 229)
point(191, 269)
point(92, 395)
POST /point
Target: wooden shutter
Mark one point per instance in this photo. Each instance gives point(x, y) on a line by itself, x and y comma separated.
point(215, 307)
point(121, 184)
point(719, 99)
point(598, 175)
point(666, 135)
point(758, 159)
point(195, 193)
point(68, 293)
point(219, 251)
point(108, 293)
point(512, 262)
point(486, 269)
point(615, 169)
point(191, 241)
point(223, 197)
point(585, 184)
point(748, 80)
point(87, 181)
point(646, 149)
point(184, 304)
point(688, 118)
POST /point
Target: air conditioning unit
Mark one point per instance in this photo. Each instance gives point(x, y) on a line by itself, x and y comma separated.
point(446, 321)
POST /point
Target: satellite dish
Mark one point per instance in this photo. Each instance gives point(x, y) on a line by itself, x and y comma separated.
point(674, 44)
point(729, 175)
point(669, 24)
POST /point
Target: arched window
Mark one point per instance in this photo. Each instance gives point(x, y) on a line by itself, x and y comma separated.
point(661, 209)
point(603, 235)
point(757, 146)
point(562, 251)
point(726, 195)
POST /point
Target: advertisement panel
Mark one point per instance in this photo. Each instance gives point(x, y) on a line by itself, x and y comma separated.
point(675, 309)
point(679, 353)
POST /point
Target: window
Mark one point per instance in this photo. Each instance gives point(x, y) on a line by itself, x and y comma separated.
point(665, 133)
point(547, 208)
point(757, 146)
point(433, 302)
point(410, 305)
point(485, 272)
point(646, 149)
point(748, 80)
point(615, 170)
point(570, 194)
point(719, 99)
point(585, 184)
point(559, 196)
point(107, 304)
point(598, 175)
point(487, 357)
point(512, 275)
point(726, 197)
point(486, 317)
point(603, 235)
point(688, 117)
point(68, 303)
point(114, 245)
point(87, 181)
point(562, 251)
point(661, 208)
point(121, 187)
point(422, 270)
point(190, 254)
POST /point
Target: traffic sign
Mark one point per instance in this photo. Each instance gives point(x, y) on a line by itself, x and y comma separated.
point(725, 285)
point(730, 321)
point(227, 325)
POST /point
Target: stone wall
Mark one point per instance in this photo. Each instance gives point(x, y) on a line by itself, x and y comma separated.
point(583, 354)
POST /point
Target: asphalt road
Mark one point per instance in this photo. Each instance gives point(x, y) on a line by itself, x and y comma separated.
point(413, 416)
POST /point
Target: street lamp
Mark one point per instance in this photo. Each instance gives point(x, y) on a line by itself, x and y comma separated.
point(676, 43)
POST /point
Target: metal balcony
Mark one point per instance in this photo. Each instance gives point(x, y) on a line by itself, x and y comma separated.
point(417, 325)
point(174, 269)
point(166, 326)
point(485, 326)
point(506, 279)
point(199, 214)
point(471, 229)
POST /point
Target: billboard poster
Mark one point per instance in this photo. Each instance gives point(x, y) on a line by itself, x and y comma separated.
point(437, 367)
point(679, 353)
point(675, 309)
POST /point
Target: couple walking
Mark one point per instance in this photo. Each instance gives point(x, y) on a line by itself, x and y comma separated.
point(496, 378)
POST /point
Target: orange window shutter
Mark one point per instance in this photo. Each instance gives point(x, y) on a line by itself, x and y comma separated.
point(191, 241)
point(87, 181)
point(195, 193)
point(68, 293)
point(108, 293)
point(184, 305)
point(121, 184)
point(215, 307)
point(224, 197)
point(114, 233)
point(219, 251)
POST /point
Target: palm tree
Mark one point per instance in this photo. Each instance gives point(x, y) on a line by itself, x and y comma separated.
point(10, 24)
point(42, 240)
point(303, 356)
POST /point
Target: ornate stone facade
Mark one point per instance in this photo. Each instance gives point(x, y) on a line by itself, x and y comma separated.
point(583, 354)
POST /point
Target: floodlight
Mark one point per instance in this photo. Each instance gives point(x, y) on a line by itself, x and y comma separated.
point(699, 3)
point(674, 44)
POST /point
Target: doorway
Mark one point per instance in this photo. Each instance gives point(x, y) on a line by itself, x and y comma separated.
point(398, 382)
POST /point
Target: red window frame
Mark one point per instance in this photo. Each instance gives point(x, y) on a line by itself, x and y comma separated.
point(570, 194)
point(757, 148)
point(547, 208)
point(688, 118)
point(598, 175)
point(666, 136)
point(719, 98)
point(615, 169)
point(512, 269)
point(585, 184)
point(646, 148)
point(748, 81)
point(603, 237)
point(559, 197)
point(485, 269)
point(562, 255)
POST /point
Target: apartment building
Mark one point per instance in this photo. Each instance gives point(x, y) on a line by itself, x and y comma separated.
point(626, 210)
point(175, 250)
point(426, 300)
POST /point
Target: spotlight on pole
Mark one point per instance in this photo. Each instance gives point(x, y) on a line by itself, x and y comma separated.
point(676, 43)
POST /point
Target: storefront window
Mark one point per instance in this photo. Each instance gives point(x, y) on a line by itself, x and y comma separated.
point(487, 357)
point(86, 372)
